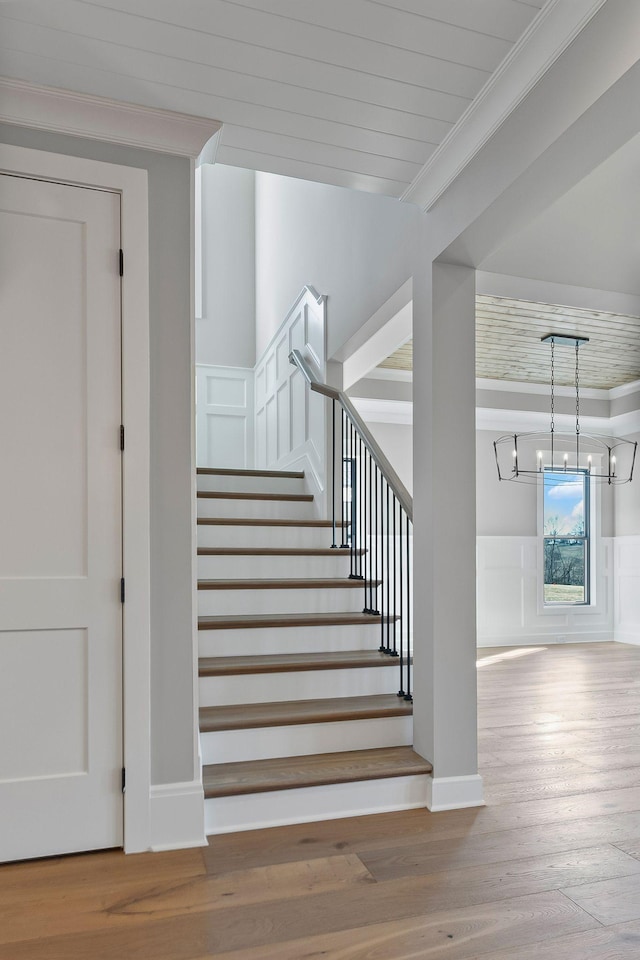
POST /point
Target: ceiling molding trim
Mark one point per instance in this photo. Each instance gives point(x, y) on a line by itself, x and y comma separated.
point(546, 38)
point(389, 373)
point(624, 390)
point(542, 389)
point(384, 411)
point(529, 421)
point(100, 118)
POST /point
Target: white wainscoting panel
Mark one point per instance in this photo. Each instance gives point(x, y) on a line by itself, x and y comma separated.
point(224, 417)
point(510, 608)
point(290, 419)
point(627, 589)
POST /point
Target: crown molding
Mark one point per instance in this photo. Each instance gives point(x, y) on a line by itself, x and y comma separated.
point(389, 373)
point(543, 389)
point(100, 118)
point(530, 421)
point(546, 38)
point(625, 390)
point(384, 411)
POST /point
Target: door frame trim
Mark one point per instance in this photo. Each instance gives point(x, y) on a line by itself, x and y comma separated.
point(132, 186)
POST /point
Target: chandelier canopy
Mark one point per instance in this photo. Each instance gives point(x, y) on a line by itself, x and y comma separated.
point(530, 457)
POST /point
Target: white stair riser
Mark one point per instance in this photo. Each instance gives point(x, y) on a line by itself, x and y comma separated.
point(305, 685)
point(250, 536)
point(309, 804)
point(253, 567)
point(270, 640)
point(323, 600)
point(231, 746)
point(252, 484)
point(267, 509)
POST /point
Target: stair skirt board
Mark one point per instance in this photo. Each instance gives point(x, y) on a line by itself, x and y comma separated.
point(308, 804)
point(305, 739)
point(315, 684)
point(250, 642)
point(232, 602)
point(256, 509)
point(241, 567)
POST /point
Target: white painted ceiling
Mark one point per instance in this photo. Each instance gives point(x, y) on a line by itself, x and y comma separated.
point(356, 93)
point(590, 237)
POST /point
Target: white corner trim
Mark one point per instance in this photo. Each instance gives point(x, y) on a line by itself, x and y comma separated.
point(546, 38)
point(100, 118)
point(176, 812)
point(454, 793)
point(384, 411)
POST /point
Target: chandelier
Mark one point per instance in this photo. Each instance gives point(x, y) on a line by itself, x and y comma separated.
point(529, 457)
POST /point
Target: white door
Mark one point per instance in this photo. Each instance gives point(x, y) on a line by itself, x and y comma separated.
point(60, 520)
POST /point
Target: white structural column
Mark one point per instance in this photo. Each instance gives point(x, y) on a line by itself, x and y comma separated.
point(445, 708)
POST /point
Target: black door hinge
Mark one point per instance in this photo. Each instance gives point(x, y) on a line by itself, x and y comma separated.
point(124, 775)
point(121, 262)
point(122, 436)
point(122, 590)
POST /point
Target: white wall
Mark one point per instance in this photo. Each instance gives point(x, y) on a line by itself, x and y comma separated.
point(225, 333)
point(396, 442)
point(627, 502)
point(171, 478)
point(355, 247)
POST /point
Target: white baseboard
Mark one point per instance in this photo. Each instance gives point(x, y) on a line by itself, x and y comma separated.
point(541, 640)
point(622, 636)
point(309, 804)
point(454, 793)
point(177, 816)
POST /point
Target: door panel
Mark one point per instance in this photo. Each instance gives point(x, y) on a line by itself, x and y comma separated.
point(60, 520)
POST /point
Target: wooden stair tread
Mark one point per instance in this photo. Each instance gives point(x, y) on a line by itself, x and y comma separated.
point(287, 773)
point(235, 472)
point(276, 552)
point(249, 495)
point(299, 583)
point(291, 662)
point(244, 716)
point(265, 620)
point(265, 522)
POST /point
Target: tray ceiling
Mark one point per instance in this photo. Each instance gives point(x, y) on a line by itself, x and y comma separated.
point(356, 93)
point(508, 344)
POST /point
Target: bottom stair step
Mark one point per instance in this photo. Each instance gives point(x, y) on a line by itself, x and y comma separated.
point(288, 773)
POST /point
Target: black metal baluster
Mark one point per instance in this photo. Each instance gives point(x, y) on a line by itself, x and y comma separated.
point(400, 587)
point(387, 535)
point(352, 505)
point(394, 579)
point(408, 695)
point(374, 534)
point(396, 518)
point(343, 541)
point(333, 474)
point(384, 590)
point(362, 508)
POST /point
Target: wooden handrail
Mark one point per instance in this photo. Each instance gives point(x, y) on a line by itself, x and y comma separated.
point(402, 494)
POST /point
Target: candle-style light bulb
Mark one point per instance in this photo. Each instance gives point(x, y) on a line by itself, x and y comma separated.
point(539, 461)
point(589, 461)
point(613, 465)
point(566, 460)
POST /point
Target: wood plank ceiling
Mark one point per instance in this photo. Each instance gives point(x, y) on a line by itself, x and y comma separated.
point(357, 93)
point(508, 344)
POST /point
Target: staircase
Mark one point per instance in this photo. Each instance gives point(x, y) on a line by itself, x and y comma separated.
point(299, 714)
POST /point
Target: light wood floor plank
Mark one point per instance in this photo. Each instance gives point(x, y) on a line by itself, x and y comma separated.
point(548, 870)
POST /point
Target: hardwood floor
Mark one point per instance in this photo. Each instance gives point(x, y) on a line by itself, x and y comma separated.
point(549, 869)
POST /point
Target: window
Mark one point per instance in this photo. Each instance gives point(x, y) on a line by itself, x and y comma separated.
point(566, 537)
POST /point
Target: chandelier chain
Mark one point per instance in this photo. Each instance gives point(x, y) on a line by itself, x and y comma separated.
point(553, 384)
point(577, 388)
